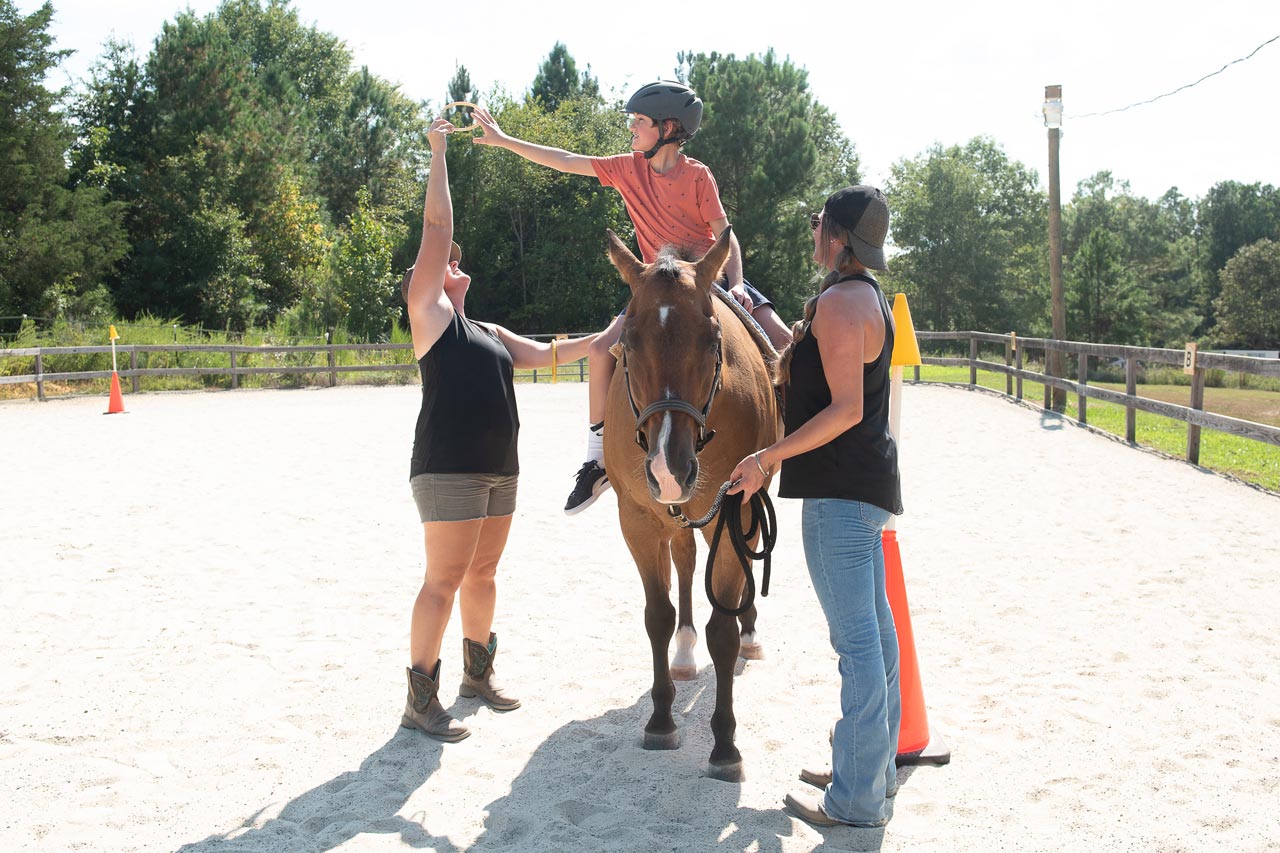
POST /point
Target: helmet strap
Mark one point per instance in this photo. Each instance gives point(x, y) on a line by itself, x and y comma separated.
point(663, 139)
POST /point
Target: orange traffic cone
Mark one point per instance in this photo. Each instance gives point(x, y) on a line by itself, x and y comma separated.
point(116, 405)
point(914, 744)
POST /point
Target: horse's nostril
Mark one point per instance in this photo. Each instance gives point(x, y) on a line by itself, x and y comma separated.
point(692, 475)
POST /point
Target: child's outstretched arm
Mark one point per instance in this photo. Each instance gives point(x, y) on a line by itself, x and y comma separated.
point(556, 158)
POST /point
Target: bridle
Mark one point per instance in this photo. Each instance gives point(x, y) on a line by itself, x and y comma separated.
point(673, 404)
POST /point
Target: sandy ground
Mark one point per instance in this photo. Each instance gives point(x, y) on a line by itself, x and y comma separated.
point(205, 613)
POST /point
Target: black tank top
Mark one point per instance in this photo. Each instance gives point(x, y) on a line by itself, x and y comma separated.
point(468, 423)
point(860, 464)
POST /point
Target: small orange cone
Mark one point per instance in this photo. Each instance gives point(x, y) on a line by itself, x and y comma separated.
point(914, 743)
point(116, 405)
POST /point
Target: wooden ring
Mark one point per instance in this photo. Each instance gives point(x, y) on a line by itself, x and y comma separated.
point(461, 104)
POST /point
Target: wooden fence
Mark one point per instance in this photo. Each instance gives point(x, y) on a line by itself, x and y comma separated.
point(1197, 364)
point(1012, 367)
point(235, 368)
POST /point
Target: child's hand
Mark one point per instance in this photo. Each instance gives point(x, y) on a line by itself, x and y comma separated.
point(740, 293)
point(490, 133)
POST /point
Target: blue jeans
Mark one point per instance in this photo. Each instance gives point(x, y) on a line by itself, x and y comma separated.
point(846, 562)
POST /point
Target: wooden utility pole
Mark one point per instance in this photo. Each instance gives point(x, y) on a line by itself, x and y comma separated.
point(1053, 120)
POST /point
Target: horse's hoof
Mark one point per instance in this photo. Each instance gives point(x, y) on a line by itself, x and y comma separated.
point(728, 772)
point(751, 651)
point(684, 673)
point(661, 740)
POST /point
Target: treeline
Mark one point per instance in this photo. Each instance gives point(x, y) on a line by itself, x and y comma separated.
point(244, 173)
point(972, 226)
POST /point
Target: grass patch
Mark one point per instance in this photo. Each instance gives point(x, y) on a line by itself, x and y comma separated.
point(1253, 461)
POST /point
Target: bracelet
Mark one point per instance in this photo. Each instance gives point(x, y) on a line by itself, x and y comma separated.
point(756, 456)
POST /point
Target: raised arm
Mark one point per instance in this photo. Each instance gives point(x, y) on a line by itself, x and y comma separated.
point(429, 312)
point(555, 158)
point(527, 354)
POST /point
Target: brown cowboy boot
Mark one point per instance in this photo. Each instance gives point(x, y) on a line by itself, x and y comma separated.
point(477, 676)
point(423, 711)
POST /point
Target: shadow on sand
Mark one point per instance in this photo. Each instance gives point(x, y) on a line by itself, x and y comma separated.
point(333, 813)
point(587, 788)
point(590, 787)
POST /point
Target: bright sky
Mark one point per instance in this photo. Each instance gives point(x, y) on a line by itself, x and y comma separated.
point(899, 76)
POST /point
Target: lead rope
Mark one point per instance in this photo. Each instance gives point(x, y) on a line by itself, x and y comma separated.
point(763, 520)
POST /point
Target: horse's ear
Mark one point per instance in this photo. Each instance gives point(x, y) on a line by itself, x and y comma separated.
point(628, 265)
point(708, 269)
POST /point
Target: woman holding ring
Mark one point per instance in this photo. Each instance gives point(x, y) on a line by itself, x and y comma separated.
point(465, 465)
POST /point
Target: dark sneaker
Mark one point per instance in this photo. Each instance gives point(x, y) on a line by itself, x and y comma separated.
point(591, 483)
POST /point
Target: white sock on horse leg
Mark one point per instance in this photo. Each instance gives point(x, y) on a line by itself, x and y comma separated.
point(595, 444)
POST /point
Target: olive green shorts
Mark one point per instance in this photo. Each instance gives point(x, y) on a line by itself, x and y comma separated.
point(462, 497)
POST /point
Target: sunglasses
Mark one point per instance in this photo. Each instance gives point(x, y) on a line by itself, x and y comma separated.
point(815, 221)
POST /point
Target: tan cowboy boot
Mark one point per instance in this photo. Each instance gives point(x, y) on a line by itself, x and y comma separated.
point(423, 711)
point(477, 676)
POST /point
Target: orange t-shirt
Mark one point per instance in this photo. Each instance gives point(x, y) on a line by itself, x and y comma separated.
point(676, 208)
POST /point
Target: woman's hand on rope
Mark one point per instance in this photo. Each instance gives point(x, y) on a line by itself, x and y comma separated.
point(490, 133)
point(748, 476)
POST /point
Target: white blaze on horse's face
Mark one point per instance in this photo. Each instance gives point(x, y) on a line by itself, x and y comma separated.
point(663, 313)
point(669, 489)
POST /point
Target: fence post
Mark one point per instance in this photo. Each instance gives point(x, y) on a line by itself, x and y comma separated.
point(917, 370)
point(333, 359)
point(40, 376)
point(581, 366)
point(1130, 388)
point(1197, 403)
point(133, 369)
point(1008, 360)
point(235, 376)
point(1048, 390)
point(1082, 376)
point(973, 363)
point(1017, 362)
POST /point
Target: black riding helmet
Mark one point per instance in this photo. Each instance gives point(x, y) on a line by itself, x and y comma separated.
point(667, 99)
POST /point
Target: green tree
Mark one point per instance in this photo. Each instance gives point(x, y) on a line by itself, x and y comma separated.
point(56, 243)
point(376, 144)
point(776, 154)
point(1248, 308)
point(247, 124)
point(362, 271)
point(1127, 265)
point(558, 80)
point(971, 225)
point(1230, 216)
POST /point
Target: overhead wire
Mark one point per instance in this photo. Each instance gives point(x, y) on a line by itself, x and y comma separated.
point(1180, 88)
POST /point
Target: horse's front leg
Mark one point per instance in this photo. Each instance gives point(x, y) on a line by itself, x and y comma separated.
point(684, 666)
point(651, 548)
point(722, 642)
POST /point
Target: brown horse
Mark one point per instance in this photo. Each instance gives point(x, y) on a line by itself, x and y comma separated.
point(689, 369)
